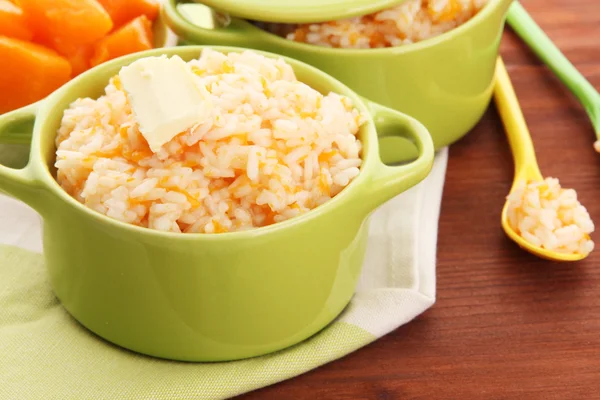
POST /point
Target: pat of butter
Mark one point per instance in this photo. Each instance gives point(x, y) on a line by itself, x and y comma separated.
point(164, 98)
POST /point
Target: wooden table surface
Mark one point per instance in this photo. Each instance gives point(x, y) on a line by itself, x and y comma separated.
point(505, 325)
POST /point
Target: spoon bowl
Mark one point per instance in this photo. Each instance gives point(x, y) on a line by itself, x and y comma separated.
point(526, 167)
point(535, 250)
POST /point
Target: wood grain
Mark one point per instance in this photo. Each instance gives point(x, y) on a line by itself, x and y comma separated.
point(505, 325)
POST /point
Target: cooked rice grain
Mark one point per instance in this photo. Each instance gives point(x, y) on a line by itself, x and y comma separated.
point(410, 22)
point(272, 149)
point(550, 217)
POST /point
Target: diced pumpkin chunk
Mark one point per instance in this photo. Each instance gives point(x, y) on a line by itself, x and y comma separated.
point(28, 73)
point(78, 56)
point(80, 60)
point(66, 22)
point(132, 37)
point(123, 11)
point(13, 22)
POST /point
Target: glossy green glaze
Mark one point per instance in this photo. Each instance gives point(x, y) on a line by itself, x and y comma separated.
point(445, 82)
point(302, 10)
point(206, 297)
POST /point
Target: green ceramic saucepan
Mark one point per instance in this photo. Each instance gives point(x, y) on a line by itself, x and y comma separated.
point(445, 82)
point(206, 297)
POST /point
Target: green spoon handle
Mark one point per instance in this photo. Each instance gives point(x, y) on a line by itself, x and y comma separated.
point(540, 43)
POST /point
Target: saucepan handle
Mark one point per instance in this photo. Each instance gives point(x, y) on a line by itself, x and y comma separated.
point(16, 127)
point(390, 181)
point(235, 32)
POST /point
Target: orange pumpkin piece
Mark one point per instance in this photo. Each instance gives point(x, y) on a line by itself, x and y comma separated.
point(66, 22)
point(132, 37)
point(78, 56)
point(123, 11)
point(13, 22)
point(28, 73)
point(80, 60)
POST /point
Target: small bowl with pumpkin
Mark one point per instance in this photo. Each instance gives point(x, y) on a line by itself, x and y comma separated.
point(45, 43)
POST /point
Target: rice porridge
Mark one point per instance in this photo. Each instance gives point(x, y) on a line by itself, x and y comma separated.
point(410, 22)
point(272, 148)
point(551, 217)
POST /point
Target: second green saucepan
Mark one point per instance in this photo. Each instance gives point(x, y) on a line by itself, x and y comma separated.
point(445, 82)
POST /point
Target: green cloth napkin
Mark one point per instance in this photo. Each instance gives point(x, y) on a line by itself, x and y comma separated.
point(46, 354)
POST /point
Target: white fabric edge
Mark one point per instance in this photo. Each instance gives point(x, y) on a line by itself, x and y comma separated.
point(382, 310)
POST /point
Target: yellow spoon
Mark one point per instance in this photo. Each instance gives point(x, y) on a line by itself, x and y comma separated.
point(526, 167)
